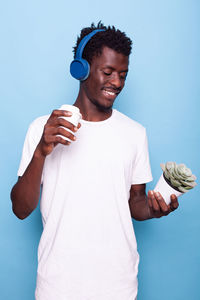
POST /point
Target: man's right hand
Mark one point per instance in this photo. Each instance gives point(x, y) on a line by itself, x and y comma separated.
point(54, 133)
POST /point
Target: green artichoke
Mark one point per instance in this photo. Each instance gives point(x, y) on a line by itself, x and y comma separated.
point(179, 176)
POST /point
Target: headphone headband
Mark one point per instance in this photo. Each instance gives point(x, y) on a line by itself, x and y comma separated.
point(84, 41)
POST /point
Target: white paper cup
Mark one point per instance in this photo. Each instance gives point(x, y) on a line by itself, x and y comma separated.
point(166, 190)
point(74, 119)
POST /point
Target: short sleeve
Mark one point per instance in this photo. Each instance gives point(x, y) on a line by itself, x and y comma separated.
point(32, 139)
point(141, 167)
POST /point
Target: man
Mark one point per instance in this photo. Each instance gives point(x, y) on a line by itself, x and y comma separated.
point(91, 186)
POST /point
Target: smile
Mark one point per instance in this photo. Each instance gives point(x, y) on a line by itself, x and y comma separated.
point(110, 93)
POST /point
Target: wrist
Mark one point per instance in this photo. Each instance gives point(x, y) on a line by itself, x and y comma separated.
point(38, 154)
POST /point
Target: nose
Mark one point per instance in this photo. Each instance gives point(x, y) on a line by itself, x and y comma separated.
point(115, 80)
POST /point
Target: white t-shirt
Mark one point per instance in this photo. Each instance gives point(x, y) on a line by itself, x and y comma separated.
point(88, 249)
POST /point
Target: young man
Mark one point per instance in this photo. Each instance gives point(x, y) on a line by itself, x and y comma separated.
point(91, 186)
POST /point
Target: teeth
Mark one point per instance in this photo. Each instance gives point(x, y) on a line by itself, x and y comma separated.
point(110, 93)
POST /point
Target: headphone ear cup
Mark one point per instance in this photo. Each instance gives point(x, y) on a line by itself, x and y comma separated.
point(80, 69)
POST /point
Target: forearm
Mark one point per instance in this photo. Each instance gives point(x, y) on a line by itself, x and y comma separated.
point(25, 193)
point(140, 209)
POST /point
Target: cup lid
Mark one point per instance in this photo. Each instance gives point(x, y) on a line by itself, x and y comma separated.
point(71, 108)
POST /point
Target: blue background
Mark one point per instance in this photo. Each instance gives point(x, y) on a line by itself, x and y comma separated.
point(162, 92)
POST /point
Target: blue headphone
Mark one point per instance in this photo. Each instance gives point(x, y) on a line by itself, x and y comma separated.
point(79, 67)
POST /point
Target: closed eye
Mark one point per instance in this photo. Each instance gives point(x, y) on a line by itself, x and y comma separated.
point(107, 73)
point(121, 76)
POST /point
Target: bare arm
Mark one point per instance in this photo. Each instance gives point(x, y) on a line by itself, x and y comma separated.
point(153, 206)
point(25, 193)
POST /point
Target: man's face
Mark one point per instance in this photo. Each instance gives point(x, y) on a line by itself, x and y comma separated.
point(107, 78)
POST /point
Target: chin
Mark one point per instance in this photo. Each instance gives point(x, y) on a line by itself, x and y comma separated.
point(104, 105)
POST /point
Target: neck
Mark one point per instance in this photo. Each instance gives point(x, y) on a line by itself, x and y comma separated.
point(91, 112)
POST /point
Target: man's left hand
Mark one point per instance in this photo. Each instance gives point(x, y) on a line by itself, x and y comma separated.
point(158, 206)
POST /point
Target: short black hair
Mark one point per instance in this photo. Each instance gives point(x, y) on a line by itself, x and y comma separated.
point(111, 37)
